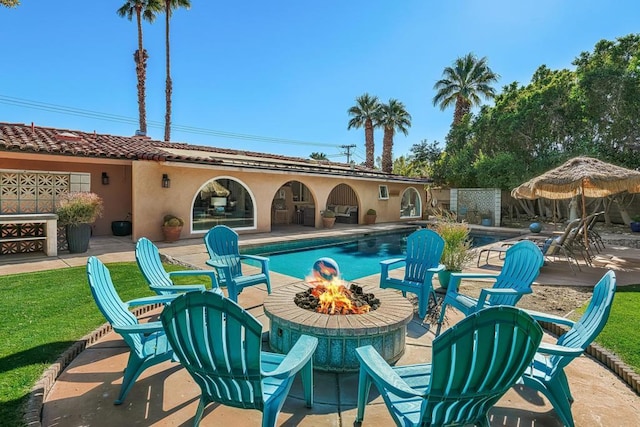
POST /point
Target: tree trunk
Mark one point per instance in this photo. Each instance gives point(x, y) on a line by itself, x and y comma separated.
point(140, 57)
point(387, 148)
point(168, 89)
point(369, 146)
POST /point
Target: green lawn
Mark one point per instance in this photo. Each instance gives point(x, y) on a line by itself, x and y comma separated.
point(44, 313)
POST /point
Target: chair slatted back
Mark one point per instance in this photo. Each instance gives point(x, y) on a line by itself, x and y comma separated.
point(424, 250)
point(150, 264)
point(521, 267)
point(595, 317)
point(108, 301)
point(219, 344)
point(476, 361)
point(222, 245)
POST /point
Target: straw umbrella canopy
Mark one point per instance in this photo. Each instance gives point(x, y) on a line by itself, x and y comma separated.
point(585, 176)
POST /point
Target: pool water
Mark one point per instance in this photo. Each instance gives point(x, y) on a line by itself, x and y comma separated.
point(356, 259)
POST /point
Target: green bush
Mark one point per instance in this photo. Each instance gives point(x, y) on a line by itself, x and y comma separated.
point(329, 214)
point(172, 221)
point(457, 245)
point(372, 212)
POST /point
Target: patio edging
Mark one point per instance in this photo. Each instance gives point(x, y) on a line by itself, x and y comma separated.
point(38, 393)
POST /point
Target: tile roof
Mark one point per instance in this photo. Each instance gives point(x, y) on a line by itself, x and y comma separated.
point(45, 140)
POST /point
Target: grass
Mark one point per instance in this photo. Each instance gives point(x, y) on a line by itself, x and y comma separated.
point(620, 334)
point(44, 313)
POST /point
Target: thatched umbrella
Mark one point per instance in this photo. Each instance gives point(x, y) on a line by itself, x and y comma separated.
point(586, 176)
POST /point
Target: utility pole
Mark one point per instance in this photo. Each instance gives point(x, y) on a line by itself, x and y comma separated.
point(348, 152)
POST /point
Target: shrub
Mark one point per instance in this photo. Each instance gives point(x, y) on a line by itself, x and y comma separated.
point(172, 221)
point(371, 212)
point(456, 253)
point(78, 208)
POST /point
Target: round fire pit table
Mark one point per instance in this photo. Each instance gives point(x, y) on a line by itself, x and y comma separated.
point(339, 334)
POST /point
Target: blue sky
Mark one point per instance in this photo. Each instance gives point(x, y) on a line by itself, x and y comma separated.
point(281, 70)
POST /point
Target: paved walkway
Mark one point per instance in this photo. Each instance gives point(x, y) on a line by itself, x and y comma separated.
point(166, 396)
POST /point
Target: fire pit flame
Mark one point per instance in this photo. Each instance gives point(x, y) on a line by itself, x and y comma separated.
point(330, 295)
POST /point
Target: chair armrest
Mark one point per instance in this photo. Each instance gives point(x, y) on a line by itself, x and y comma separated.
point(551, 318)
point(226, 270)
point(177, 289)
point(381, 372)
point(437, 269)
point(486, 292)
point(559, 350)
point(155, 299)
point(262, 260)
point(298, 356)
point(391, 261)
point(139, 328)
point(209, 273)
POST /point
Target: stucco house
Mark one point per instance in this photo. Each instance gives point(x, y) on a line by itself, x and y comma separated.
point(142, 179)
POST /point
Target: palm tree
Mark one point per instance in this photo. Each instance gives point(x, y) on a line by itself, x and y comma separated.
point(143, 9)
point(318, 156)
point(169, 5)
point(365, 114)
point(463, 84)
point(393, 116)
point(10, 3)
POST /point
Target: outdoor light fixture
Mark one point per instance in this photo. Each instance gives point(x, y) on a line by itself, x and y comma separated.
point(105, 178)
point(166, 182)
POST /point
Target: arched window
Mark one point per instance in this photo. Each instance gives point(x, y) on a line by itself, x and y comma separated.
point(223, 201)
point(411, 204)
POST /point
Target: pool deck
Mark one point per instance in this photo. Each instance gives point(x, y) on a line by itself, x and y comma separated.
point(165, 395)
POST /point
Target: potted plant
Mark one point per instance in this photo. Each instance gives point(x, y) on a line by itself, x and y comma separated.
point(457, 245)
point(122, 228)
point(76, 211)
point(635, 223)
point(370, 216)
point(172, 227)
point(328, 218)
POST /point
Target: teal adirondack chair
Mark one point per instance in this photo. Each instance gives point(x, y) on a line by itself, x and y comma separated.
point(218, 343)
point(474, 363)
point(147, 342)
point(159, 280)
point(224, 256)
point(521, 266)
point(546, 374)
point(424, 250)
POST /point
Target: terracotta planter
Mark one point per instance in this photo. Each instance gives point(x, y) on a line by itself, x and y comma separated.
point(171, 234)
point(78, 236)
point(370, 219)
point(328, 222)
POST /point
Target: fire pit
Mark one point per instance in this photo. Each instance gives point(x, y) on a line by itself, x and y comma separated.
point(384, 327)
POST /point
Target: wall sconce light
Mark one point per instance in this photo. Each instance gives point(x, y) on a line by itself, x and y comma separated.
point(166, 182)
point(105, 178)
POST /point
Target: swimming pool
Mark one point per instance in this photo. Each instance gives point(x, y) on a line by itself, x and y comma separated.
point(357, 257)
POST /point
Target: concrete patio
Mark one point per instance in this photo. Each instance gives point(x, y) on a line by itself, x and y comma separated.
point(165, 395)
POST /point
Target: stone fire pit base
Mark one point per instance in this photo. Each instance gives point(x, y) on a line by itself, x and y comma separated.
point(339, 335)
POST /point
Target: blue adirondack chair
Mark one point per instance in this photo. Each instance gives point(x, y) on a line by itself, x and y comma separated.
point(147, 342)
point(424, 250)
point(218, 343)
point(474, 363)
point(546, 374)
point(521, 266)
point(159, 280)
point(224, 256)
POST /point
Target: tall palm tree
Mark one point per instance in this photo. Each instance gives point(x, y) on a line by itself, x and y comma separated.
point(393, 117)
point(10, 3)
point(365, 114)
point(169, 5)
point(463, 83)
point(142, 9)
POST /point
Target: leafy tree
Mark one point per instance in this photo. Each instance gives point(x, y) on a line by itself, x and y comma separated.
point(365, 114)
point(318, 156)
point(10, 3)
point(169, 5)
point(405, 166)
point(147, 10)
point(393, 117)
point(463, 84)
